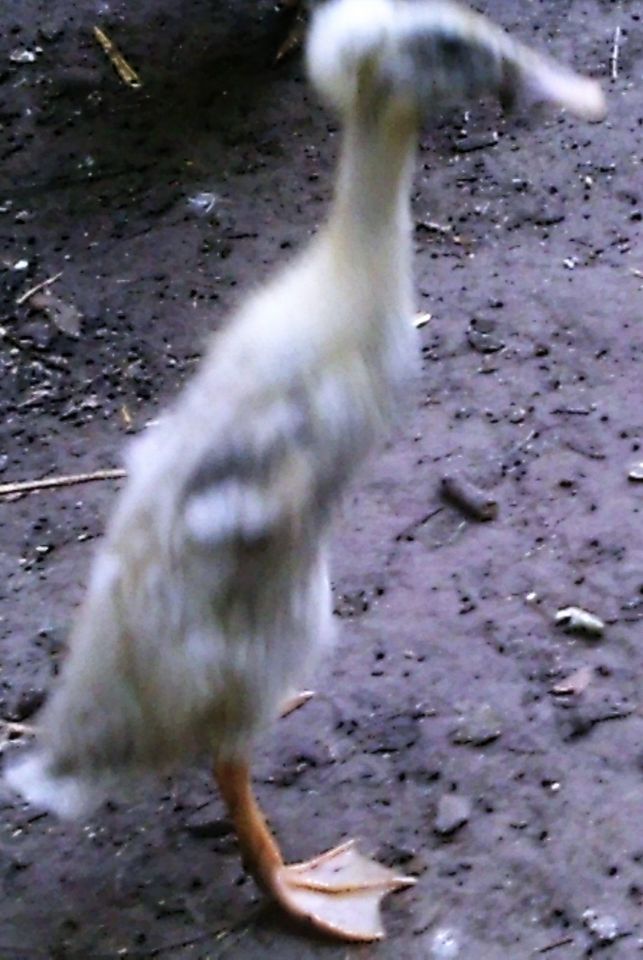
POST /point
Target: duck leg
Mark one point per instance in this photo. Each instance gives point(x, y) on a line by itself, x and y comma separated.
point(338, 893)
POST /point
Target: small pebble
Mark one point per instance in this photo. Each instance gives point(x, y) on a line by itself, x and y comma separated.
point(604, 928)
point(467, 143)
point(482, 337)
point(453, 812)
point(481, 726)
point(24, 56)
point(209, 829)
point(575, 620)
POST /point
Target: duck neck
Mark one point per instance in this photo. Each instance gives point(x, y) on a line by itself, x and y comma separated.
point(370, 217)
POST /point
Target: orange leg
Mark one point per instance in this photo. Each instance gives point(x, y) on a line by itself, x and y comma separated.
point(338, 892)
point(259, 851)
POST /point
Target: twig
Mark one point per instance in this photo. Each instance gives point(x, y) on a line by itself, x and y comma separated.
point(555, 946)
point(45, 483)
point(616, 49)
point(39, 286)
point(127, 74)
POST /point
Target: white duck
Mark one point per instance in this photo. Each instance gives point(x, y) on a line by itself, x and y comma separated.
point(209, 599)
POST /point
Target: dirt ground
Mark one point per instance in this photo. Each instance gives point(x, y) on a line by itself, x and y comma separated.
point(438, 737)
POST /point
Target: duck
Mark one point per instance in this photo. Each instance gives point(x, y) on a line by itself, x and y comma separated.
point(209, 600)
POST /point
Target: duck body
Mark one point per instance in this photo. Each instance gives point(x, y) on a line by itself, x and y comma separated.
point(209, 600)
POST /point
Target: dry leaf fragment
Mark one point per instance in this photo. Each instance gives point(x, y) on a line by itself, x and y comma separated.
point(65, 316)
point(575, 683)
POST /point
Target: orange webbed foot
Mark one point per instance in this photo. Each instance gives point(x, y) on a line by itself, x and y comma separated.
point(339, 893)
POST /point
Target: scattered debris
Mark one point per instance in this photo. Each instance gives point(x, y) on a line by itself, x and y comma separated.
point(481, 726)
point(21, 55)
point(29, 486)
point(127, 74)
point(478, 503)
point(38, 287)
point(441, 229)
point(575, 620)
point(421, 319)
point(453, 812)
point(432, 226)
point(636, 473)
point(616, 50)
point(603, 928)
point(575, 684)
point(445, 945)
point(203, 202)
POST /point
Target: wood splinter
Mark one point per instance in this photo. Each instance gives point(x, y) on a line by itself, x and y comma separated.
point(20, 487)
point(28, 294)
point(127, 74)
point(616, 50)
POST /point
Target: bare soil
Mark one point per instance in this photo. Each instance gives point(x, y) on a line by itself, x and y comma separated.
point(159, 207)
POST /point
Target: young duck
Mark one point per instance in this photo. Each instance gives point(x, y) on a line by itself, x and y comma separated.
point(209, 599)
